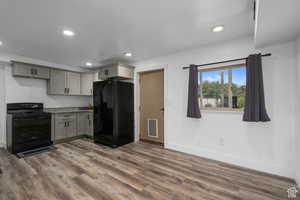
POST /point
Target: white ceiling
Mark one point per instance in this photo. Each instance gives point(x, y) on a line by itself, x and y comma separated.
point(106, 28)
point(278, 21)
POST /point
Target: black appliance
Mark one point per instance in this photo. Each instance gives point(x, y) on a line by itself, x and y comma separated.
point(28, 127)
point(113, 112)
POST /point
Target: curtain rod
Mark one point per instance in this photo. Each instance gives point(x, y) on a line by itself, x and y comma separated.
point(226, 61)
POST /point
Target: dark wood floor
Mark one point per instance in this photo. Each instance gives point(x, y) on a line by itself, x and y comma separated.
point(82, 170)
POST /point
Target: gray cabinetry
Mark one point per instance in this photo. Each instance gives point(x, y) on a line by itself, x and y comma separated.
point(30, 71)
point(57, 82)
point(73, 83)
point(85, 123)
point(64, 83)
point(65, 126)
point(60, 129)
point(116, 70)
point(40, 72)
point(86, 83)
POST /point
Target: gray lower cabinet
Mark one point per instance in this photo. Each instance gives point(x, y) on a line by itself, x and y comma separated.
point(85, 123)
point(65, 126)
point(68, 125)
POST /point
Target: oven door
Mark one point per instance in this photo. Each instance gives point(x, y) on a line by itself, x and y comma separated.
point(31, 132)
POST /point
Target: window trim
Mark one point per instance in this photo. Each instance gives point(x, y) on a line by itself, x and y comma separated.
point(221, 109)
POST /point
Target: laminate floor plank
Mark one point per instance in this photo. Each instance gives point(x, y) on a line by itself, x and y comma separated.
point(82, 170)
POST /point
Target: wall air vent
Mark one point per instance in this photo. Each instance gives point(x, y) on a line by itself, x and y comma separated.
point(152, 128)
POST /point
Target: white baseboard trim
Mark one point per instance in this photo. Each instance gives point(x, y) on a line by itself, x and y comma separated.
point(259, 166)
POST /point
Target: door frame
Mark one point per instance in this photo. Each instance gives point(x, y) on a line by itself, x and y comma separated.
point(137, 73)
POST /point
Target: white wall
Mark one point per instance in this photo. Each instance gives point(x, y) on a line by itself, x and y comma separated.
point(297, 135)
point(263, 146)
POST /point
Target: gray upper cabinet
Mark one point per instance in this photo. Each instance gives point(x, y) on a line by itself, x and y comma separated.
point(41, 72)
point(73, 83)
point(64, 83)
point(57, 82)
point(86, 82)
point(30, 71)
point(116, 70)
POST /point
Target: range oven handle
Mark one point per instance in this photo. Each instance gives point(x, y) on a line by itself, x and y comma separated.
point(32, 118)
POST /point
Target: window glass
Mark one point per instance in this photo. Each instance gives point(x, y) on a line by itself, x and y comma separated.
point(222, 88)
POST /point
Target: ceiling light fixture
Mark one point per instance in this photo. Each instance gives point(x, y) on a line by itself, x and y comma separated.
point(68, 33)
point(1, 43)
point(128, 54)
point(88, 64)
point(218, 28)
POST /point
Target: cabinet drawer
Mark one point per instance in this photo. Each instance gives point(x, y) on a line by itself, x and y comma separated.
point(65, 116)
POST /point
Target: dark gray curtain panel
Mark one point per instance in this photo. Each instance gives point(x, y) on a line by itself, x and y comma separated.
point(193, 110)
point(255, 109)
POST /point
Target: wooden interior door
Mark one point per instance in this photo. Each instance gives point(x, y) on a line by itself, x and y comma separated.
point(152, 106)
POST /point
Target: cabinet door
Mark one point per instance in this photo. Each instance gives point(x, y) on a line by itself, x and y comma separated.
point(71, 128)
point(20, 69)
point(86, 83)
point(108, 72)
point(90, 124)
point(60, 129)
point(41, 72)
point(73, 83)
point(97, 76)
point(82, 123)
point(57, 83)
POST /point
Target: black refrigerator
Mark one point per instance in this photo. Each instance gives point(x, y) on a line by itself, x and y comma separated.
point(113, 112)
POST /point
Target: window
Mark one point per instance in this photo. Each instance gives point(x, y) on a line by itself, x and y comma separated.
point(222, 88)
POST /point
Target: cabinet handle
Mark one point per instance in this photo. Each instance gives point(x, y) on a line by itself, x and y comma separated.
point(89, 123)
point(65, 124)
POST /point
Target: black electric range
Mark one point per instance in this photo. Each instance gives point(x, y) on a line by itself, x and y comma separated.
point(28, 128)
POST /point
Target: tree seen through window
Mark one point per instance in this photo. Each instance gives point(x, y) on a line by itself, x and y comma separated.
point(222, 88)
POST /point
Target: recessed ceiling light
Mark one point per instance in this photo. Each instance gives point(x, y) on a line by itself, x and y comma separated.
point(68, 33)
point(1, 43)
point(218, 28)
point(128, 54)
point(88, 64)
